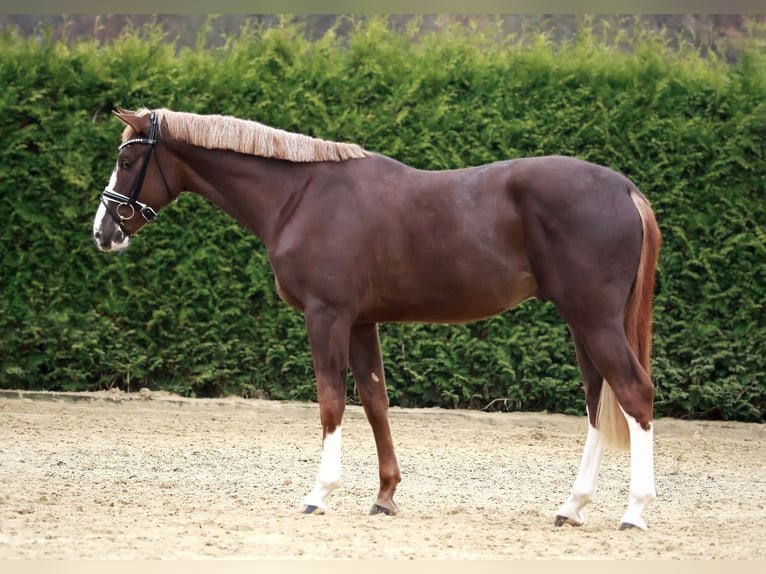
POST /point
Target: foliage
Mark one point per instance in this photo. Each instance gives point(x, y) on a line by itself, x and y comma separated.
point(191, 306)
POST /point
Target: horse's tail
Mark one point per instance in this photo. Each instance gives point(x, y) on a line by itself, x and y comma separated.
point(638, 325)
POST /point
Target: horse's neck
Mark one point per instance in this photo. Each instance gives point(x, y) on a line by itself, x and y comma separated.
point(249, 189)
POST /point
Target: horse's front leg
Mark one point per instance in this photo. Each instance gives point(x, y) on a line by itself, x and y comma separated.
point(328, 333)
point(367, 367)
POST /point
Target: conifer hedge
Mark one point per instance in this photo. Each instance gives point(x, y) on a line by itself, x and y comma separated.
point(191, 306)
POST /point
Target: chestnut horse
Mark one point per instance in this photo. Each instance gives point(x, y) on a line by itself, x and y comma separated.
point(356, 238)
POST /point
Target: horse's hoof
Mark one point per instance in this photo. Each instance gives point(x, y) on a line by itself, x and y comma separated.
point(378, 509)
point(627, 526)
point(311, 509)
point(562, 520)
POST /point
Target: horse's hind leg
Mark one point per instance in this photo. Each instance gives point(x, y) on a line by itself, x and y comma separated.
point(367, 367)
point(608, 348)
point(584, 487)
point(642, 491)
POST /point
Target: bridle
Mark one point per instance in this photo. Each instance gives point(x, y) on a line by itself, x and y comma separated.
point(131, 201)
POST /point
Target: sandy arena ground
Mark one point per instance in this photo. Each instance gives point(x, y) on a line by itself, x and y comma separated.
point(116, 476)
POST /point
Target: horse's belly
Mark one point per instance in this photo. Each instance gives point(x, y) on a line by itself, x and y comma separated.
point(448, 302)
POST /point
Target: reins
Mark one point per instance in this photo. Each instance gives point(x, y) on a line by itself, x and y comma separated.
point(131, 201)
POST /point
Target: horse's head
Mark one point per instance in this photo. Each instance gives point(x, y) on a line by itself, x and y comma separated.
point(140, 184)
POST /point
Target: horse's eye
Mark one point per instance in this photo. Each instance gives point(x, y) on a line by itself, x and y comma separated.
point(125, 164)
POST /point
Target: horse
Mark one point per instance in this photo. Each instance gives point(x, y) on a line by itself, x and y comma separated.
point(355, 238)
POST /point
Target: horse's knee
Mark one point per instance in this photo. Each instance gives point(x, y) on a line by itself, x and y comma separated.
point(331, 410)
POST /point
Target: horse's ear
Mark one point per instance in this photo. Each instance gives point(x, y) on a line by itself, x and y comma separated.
point(129, 119)
point(123, 114)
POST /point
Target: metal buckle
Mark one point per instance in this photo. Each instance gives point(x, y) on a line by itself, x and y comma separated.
point(120, 208)
point(148, 212)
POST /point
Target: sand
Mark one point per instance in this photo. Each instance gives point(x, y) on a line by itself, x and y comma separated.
point(121, 476)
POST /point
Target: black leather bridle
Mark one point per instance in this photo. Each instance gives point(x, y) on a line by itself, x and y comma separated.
point(131, 201)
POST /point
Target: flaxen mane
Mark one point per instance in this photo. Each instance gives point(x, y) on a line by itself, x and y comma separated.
point(249, 137)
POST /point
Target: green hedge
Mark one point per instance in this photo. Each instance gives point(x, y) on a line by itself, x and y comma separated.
point(191, 307)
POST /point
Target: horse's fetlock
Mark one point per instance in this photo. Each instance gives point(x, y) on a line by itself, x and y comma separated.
point(646, 498)
point(582, 498)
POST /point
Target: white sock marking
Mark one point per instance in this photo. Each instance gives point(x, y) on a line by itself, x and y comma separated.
point(642, 491)
point(328, 477)
point(584, 486)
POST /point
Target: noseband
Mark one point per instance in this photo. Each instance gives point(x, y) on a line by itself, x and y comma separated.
point(121, 213)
